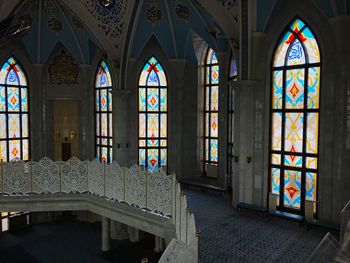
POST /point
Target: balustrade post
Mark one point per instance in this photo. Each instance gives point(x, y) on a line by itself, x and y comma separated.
point(104, 178)
point(124, 183)
point(198, 236)
point(187, 213)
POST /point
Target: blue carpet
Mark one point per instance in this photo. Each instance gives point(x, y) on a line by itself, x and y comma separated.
point(231, 236)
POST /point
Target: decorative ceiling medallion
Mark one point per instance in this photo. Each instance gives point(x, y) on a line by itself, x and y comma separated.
point(63, 70)
point(182, 12)
point(55, 25)
point(107, 2)
point(154, 14)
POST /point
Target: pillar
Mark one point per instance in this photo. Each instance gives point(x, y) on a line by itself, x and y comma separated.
point(105, 234)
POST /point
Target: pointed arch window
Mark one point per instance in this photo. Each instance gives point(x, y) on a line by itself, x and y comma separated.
point(103, 114)
point(14, 112)
point(211, 109)
point(295, 114)
point(153, 114)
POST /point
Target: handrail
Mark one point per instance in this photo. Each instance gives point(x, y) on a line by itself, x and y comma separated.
point(156, 192)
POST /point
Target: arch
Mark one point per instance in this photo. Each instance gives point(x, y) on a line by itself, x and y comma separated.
point(14, 112)
point(103, 114)
point(296, 68)
point(152, 115)
point(211, 109)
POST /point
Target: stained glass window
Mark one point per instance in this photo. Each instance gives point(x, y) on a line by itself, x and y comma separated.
point(211, 109)
point(103, 114)
point(231, 97)
point(295, 118)
point(153, 114)
point(14, 112)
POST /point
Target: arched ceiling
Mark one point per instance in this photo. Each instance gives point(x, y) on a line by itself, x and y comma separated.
point(116, 26)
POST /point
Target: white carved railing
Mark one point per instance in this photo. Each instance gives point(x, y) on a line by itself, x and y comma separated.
point(156, 192)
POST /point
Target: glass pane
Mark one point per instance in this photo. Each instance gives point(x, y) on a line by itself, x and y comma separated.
point(311, 46)
point(97, 124)
point(153, 163)
point(313, 88)
point(3, 127)
point(295, 89)
point(110, 155)
point(207, 124)
point(143, 76)
point(104, 123)
point(153, 143)
point(152, 79)
point(110, 125)
point(206, 147)
point(233, 68)
point(312, 133)
point(152, 125)
point(110, 100)
point(296, 55)
point(214, 125)
point(153, 99)
point(161, 75)
point(163, 125)
point(163, 143)
point(142, 125)
point(214, 74)
point(104, 152)
point(13, 101)
point(293, 161)
point(276, 131)
point(207, 75)
point(276, 159)
point(142, 157)
point(15, 149)
point(103, 100)
point(297, 25)
point(275, 180)
point(281, 50)
point(12, 77)
point(311, 163)
point(214, 98)
point(277, 89)
point(311, 183)
point(163, 157)
point(3, 151)
point(292, 189)
point(14, 125)
point(213, 150)
point(163, 100)
point(97, 100)
point(20, 75)
point(293, 141)
point(213, 58)
point(25, 126)
point(2, 99)
point(142, 99)
point(25, 144)
point(207, 98)
point(24, 99)
point(142, 143)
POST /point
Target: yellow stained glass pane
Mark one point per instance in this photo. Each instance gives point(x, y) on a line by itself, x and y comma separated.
point(311, 186)
point(276, 159)
point(312, 133)
point(142, 125)
point(277, 90)
point(276, 131)
point(313, 92)
point(311, 162)
point(293, 141)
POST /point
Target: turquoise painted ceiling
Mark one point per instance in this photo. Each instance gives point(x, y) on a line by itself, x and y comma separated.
point(58, 28)
point(175, 34)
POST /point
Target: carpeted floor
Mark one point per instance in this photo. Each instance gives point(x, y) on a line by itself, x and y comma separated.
point(231, 236)
point(226, 236)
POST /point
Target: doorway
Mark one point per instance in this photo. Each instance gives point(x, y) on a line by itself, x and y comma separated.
point(66, 129)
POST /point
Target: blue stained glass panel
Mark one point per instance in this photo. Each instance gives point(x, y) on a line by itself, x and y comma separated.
point(152, 79)
point(24, 99)
point(12, 77)
point(152, 157)
point(163, 157)
point(142, 157)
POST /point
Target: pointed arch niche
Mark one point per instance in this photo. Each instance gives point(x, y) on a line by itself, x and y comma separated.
point(295, 101)
point(14, 112)
point(103, 114)
point(153, 115)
